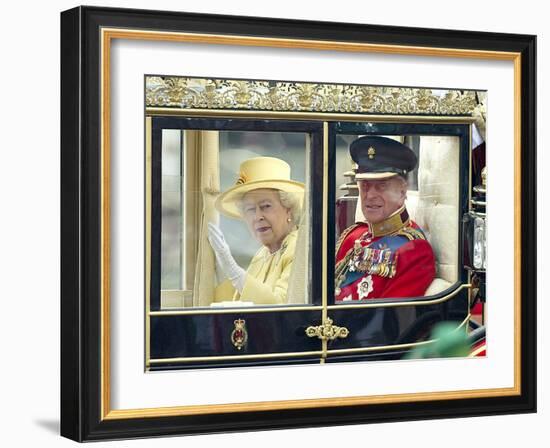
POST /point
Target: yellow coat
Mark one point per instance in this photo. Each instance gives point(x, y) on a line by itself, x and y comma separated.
point(266, 277)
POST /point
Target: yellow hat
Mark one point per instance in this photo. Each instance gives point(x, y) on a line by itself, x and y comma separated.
point(256, 173)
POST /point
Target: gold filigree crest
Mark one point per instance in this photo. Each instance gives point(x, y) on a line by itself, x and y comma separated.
point(206, 93)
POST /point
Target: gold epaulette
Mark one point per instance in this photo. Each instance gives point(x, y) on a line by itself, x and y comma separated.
point(411, 233)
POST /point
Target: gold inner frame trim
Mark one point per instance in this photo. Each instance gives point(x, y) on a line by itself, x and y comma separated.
point(106, 37)
point(304, 44)
point(517, 220)
point(105, 183)
point(304, 403)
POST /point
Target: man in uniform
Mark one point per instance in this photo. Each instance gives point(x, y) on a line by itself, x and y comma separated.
point(388, 254)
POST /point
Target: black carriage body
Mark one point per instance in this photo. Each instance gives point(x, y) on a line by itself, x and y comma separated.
point(384, 329)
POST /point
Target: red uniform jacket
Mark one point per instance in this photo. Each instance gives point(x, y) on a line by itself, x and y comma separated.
point(398, 264)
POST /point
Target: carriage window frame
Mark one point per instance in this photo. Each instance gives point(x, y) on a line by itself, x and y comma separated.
point(155, 125)
point(377, 126)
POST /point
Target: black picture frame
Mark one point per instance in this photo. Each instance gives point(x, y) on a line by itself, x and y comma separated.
point(85, 413)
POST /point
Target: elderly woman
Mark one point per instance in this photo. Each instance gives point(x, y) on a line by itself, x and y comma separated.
point(269, 202)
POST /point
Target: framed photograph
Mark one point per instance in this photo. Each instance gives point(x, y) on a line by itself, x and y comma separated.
point(275, 224)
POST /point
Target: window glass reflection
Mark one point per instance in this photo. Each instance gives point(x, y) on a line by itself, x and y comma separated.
point(235, 228)
point(396, 223)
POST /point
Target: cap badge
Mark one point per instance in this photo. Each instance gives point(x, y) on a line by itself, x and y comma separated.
point(371, 152)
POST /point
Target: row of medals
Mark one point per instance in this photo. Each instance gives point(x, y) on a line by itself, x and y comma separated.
point(372, 261)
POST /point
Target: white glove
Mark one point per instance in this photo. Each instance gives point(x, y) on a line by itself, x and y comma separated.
point(224, 259)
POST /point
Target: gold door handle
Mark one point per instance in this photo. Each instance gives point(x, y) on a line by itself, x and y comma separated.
point(327, 331)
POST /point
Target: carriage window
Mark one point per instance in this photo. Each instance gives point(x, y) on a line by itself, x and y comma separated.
point(396, 216)
point(234, 228)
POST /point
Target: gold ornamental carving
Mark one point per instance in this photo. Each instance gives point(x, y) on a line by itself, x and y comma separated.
point(327, 331)
point(239, 335)
point(280, 96)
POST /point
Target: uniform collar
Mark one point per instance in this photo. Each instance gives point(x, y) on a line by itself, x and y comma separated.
point(391, 224)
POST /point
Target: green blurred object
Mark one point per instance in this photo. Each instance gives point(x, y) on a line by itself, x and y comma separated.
point(449, 341)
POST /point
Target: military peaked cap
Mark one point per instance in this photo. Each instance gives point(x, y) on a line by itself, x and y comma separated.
point(381, 157)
